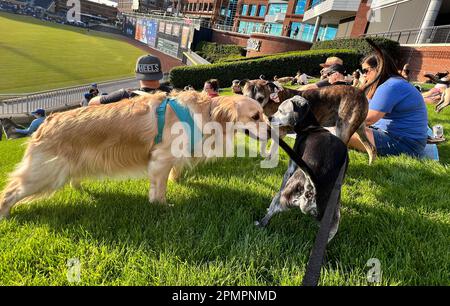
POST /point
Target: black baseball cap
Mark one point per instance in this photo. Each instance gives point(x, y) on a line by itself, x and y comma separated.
point(335, 68)
point(148, 68)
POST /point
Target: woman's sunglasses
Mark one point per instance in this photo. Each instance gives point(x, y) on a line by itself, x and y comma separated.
point(365, 71)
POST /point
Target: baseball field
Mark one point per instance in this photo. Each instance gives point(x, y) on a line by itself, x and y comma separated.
point(36, 55)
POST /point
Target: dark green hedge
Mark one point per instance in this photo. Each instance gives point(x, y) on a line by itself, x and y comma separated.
point(360, 45)
point(281, 65)
point(214, 52)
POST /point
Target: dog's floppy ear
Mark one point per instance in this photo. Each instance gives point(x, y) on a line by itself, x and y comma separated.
point(223, 110)
point(243, 82)
point(273, 87)
point(301, 107)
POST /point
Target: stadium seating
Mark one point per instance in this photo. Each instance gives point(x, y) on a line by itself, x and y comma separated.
point(45, 4)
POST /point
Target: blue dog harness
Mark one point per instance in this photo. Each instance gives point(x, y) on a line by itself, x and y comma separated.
point(183, 115)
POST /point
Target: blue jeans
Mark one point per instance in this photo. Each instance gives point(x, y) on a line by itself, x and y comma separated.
point(388, 144)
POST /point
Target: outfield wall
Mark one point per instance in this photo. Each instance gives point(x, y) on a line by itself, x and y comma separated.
point(172, 36)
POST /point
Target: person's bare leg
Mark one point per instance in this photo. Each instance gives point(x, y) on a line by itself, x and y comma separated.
point(355, 142)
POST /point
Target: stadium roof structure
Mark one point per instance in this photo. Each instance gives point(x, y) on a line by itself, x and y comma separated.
point(105, 2)
point(45, 4)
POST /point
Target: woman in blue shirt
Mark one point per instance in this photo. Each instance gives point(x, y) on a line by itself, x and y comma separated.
point(397, 119)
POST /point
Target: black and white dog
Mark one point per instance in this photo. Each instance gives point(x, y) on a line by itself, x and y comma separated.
point(322, 154)
point(7, 125)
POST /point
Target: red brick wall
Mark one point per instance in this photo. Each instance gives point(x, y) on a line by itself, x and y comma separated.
point(223, 37)
point(426, 59)
point(275, 44)
point(359, 27)
point(269, 44)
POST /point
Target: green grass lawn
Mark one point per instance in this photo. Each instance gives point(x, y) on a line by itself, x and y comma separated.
point(397, 210)
point(37, 55)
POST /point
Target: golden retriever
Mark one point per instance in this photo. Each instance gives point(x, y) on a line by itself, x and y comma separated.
point(115, 139)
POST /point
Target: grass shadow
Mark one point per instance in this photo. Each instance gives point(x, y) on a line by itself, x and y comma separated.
point(214, 223)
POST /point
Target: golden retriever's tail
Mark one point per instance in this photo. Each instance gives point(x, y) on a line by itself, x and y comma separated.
point(37, 174)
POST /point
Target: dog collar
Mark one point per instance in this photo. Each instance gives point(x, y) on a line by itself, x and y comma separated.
point(183, 115)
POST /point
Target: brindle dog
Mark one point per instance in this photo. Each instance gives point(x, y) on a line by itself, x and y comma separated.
point(7, 125)
point(444, 102)
point(343, 106)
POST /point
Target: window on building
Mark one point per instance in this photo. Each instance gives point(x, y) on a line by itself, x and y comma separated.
point(253, 10)
point(314, 3)
point(300, 7)
point(244, 10)
point(277, 8)
point(296, 29)
point(242, 27)
point(302, 31)
point(249, 27)
point(329, 32)
point(210, 7)
point(273, 29)
point(262, 11)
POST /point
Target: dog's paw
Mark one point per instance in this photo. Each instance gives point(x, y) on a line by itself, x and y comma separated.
point(260, 224)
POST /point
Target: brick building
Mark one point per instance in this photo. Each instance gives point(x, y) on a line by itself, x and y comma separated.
point(408, 21)
point(274, 17)
point(142, 6)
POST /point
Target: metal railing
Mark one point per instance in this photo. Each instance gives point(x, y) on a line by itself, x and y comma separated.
point(168, 17)
point(313, 4)
point(58, 98)
point(263, 29)
point(432, 35)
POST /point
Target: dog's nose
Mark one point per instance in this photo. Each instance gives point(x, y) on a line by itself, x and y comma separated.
point(270, 118)
point(260, 99)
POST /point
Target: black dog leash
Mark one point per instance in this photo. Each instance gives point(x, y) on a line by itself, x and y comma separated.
point(312, 274)
point(291, 153)
point(315, 261)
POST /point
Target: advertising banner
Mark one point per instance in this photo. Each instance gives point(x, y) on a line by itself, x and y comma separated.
point(151, 33)
point(162, 26)
point(138, 35)
point(185, 37)
point(168, 47)
point(176, 30)
point(129, 26)
point(168, 28)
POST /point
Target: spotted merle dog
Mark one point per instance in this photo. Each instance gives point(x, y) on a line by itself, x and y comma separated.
point(323, 156)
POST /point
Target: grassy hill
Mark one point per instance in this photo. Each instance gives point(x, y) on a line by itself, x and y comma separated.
point(396, 210)
point(37, 55)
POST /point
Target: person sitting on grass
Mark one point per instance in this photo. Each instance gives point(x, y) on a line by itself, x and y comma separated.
point(211, 87)
point(356, 79)
point(397, 119)
point(39, 114)
point(323, 79)
point(336, 75)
